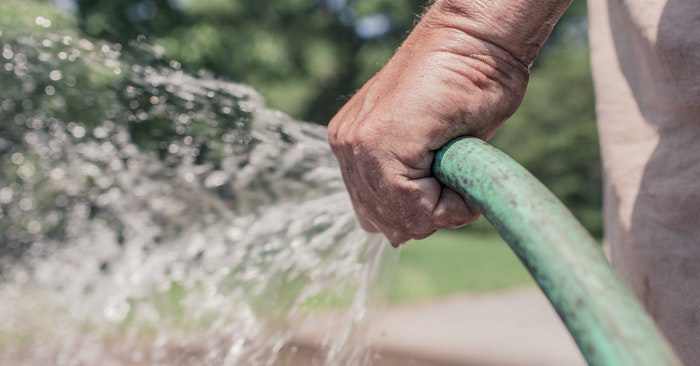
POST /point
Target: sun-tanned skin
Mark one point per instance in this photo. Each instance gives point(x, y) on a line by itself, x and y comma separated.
point(462, 71)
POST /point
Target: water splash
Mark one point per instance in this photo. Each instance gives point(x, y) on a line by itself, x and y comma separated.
point(149, 216)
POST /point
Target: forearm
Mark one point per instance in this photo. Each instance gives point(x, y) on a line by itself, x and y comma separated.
point(518, 26)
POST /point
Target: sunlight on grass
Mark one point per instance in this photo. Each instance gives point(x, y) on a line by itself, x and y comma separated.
point(456, 261)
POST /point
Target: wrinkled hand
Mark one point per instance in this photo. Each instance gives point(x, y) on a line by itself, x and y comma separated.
point(442, 83)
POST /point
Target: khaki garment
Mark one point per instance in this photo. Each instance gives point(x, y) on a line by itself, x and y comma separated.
point(645, 57)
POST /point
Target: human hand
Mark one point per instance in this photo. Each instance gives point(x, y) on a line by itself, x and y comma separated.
point(442, 83)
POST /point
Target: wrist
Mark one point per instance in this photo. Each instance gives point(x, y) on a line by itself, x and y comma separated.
point(479, 83)
point(519, 27)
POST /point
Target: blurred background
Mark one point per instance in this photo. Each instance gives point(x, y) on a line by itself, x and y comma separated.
point(307, 57)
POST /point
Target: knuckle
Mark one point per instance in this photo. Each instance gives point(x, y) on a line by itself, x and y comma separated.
point(335, 139)
point(416, 196)
point(366, 136)
point(339, 133)
point(332, 133)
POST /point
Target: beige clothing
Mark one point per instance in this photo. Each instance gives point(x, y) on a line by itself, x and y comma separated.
point(646, 64)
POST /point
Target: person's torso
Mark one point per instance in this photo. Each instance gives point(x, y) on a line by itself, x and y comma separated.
point(645, 57)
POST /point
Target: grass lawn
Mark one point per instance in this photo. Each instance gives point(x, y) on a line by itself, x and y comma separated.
point(456, 261)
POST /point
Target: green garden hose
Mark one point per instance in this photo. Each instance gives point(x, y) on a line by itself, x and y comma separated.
point(609, 325)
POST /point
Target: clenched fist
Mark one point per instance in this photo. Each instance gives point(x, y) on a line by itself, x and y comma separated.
point(451, 77)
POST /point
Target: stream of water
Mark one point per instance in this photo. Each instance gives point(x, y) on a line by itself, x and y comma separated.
point(151, 216)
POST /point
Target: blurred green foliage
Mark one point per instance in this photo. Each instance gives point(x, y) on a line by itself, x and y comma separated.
point(451, 262)
point(307, 57)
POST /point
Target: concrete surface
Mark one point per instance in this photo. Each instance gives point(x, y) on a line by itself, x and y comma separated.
point(513, 328)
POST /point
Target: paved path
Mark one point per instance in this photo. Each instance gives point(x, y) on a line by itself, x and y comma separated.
point(512, 328)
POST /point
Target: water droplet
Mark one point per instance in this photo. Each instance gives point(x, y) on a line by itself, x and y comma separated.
point(27, 104)
point(57, 173)
point(26, 171)
point(84, 44)
point(20, 58)
point(26, 204)
point(42, 22)
point(107, 147)
point(216, 179)
point(55, 75)
point(116, 311)
point(50, 90)
point(99, 132)
point(6, 195)
point(34, 227)
point(7, 53)
point(17, 158)
point(78, 131)
point(61, 201)
point(7, 105)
